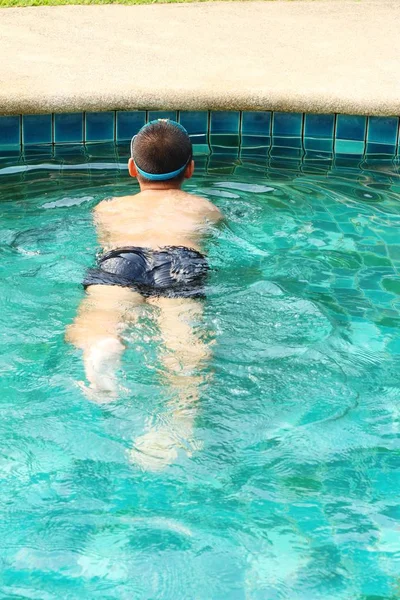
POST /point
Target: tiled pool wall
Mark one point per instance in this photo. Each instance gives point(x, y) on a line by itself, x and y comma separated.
point(237, 132)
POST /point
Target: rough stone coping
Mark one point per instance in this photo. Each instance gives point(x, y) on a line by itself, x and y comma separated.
point(306, 56)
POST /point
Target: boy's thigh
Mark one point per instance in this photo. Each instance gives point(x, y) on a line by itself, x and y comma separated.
point(180, 307)
point(113, 297)
point(179, 321)
point(104, 311)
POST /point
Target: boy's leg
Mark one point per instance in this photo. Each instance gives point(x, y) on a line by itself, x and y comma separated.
point(183, 357)
point(101, 318)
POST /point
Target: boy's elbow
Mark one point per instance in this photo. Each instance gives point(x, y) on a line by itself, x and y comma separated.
point(217, 216)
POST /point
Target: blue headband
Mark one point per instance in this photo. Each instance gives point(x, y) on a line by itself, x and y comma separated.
point(161, 176)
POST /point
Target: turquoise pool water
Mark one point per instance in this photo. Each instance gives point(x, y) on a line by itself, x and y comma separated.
point(294, 492)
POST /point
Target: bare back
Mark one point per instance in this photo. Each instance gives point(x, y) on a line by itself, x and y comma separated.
point(155, 219)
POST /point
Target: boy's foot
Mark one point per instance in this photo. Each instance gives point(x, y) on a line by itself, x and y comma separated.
point(159, 447)
point(95, 395)
point(102, 362)
point(155, 450)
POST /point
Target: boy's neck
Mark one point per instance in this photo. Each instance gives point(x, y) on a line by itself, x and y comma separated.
point(162, 186)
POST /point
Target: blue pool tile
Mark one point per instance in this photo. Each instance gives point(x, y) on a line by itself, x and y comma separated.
point(202, 162)
point(224, 165)
point(319, 126)
point(249, 171)
point(260, 151)
point(199, 149)
point(34, 153)
point(383, 130)
point(123, 151)
point(317, 163)
point(225, 122)
point(255, 141)
point(162, 114)
point(103, 152)
point(283, 168)
point(68, 128)
point(99, 126)
point(387, 149)
point(256, 123)
point(287, 142)
point(351, 127)
point(231, 153)
point(318, 144)
point(10, 131)
point(199, 139)
point(349, 147)
point(224, 140)
point(37, 129)
point(287, 124)
point(70, 153)
point(348, 161)
point(286, 152)
point(10, 155)
point(129, 123)
point(196, 124)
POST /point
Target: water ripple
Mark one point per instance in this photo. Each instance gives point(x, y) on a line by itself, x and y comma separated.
point(290, 488)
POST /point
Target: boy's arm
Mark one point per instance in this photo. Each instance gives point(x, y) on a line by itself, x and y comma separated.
point(211, 212)
point(101, 216)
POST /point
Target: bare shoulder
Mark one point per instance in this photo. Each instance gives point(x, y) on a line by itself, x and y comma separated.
point(104, 206)
point(110, 205)
point(204, 207)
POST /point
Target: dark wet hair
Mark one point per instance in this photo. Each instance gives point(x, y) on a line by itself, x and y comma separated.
point(162, 147)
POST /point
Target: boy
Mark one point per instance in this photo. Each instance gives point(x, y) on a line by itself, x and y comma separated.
point(153, 255)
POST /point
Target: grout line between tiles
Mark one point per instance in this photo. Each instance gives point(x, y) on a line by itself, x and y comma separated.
point(84, 127)
point(240, 132)
point(303, 119)
point(397, 134)
point(365, 137)
point(209, 130)
point(53, 129)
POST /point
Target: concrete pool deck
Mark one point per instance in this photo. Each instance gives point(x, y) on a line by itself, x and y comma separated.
point(303, 56)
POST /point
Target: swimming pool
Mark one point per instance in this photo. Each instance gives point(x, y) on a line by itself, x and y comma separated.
point(293, 491)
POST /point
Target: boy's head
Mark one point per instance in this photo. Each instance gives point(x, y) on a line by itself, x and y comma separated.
point(161, 152)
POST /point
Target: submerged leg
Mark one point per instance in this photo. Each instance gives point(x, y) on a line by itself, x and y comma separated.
point(101, 318)
point(183, 356)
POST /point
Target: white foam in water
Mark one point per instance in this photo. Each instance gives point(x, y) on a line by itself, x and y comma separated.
point(245, 187)
point(159, 523)
point(266, 287)
point(219, 193)
point(28, 252)
point(67, 201)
